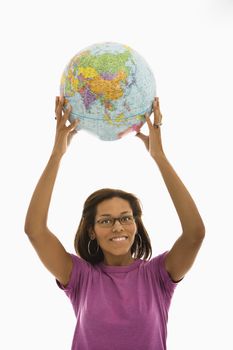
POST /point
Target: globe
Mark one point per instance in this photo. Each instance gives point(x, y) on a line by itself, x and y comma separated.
point(110, 88)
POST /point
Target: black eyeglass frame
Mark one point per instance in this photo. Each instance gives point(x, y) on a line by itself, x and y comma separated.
point(119, 219)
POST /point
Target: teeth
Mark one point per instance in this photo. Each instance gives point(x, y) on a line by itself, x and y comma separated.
point(119, 239)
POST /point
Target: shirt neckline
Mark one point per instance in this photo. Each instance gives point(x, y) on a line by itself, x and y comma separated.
point(126, 268)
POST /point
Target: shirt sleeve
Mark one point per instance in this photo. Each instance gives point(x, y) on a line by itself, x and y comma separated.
point(79, 275)
point(167, 285)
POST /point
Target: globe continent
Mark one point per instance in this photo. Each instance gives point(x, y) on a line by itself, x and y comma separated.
point(110, 88)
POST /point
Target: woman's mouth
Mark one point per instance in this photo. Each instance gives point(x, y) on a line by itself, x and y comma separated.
point(119, 239)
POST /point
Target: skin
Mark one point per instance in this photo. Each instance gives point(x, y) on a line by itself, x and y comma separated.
point(182, 254)
point(115, 253)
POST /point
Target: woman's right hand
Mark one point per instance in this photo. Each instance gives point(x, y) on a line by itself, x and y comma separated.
point(64, 133)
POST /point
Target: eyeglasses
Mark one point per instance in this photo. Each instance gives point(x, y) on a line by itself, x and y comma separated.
point(109, 222)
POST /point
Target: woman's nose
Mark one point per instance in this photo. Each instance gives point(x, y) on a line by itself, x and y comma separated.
point(117, 226)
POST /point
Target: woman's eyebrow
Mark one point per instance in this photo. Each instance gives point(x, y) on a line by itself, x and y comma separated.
point(123, 212)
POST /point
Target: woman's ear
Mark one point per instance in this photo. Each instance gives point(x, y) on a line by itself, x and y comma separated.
point(91, 233)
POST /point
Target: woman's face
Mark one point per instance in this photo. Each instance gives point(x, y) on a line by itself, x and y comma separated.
point(116, 252)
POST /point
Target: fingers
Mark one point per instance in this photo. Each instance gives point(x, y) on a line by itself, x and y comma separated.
point(157, 113)
point(156, 103)
point(56, 105)
point(56, 102)
point(59, 106)
point(73, 125)
point(149, 123)
point(67, 113)
point(62, 113)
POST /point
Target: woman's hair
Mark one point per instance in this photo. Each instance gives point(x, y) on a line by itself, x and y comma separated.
point(140, 249)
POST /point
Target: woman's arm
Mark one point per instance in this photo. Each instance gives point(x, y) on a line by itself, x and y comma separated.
point(182, 255)
point(190, 219)
point(36, 218)
point(48, 247)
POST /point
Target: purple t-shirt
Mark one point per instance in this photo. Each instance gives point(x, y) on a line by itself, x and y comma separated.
point(120, 307)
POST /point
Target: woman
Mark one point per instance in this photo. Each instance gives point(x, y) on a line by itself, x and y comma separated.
point(120, 300)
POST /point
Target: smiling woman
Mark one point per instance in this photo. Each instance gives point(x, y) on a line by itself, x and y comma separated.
point(115, 288)
point(110, 213)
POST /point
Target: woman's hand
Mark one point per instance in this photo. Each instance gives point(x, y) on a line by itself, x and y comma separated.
point(64, 133)
point(153, 141)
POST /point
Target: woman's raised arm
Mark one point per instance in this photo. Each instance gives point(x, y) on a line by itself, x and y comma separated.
point(48, 247)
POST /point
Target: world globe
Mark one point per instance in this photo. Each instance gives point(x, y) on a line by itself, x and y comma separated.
point(110, 88)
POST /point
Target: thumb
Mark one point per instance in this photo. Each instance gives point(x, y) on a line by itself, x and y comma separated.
point(73, 125)
point(144, 138)
point(141, 136)
point(71, 135)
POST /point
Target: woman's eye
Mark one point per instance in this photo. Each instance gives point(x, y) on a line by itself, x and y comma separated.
point(126, 218)
point(105, 221)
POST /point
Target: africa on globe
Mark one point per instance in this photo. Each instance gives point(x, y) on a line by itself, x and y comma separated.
point(110, 88)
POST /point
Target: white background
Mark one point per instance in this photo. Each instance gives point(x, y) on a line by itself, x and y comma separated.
point(188, 45)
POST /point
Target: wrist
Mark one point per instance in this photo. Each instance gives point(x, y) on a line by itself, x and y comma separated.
point(159, 156)
point(56, 156)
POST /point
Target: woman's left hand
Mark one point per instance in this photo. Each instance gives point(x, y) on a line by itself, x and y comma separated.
point(153, 141)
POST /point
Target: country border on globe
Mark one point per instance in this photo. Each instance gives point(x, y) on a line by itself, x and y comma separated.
point(110, 88)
